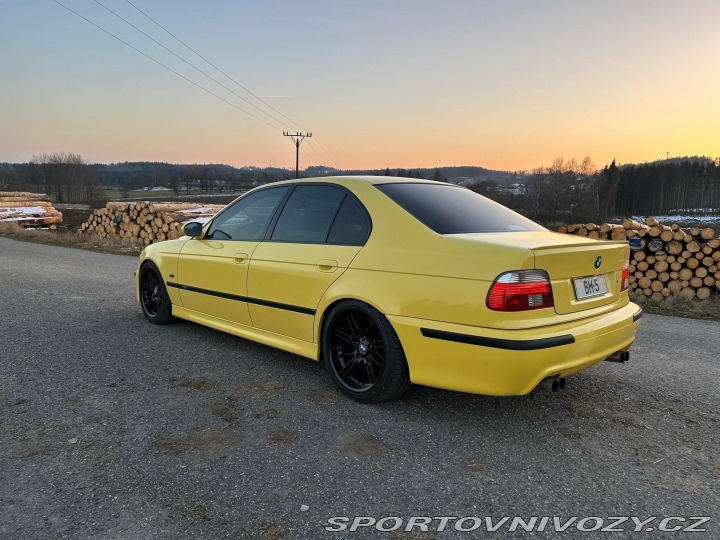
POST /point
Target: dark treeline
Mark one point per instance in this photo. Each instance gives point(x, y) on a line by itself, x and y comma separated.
point(442, 174)
point(571, 191)
point(184, 179)
point(564, 192)
point(68, 178)
point(679, 186)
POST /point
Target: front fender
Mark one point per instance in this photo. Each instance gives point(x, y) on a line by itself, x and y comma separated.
point(165, 256)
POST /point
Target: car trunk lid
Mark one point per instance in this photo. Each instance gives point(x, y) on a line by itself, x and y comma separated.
point(583, 275)
point(568, 258)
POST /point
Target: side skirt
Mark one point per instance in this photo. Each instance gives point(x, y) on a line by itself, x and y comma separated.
point(285, 343)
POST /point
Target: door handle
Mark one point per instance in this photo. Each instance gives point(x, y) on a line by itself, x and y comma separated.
point(327, 265)
point(240, 258)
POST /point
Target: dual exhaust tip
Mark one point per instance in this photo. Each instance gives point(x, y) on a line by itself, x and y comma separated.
point(619, 357)
point(552, 384)
point(556, 383)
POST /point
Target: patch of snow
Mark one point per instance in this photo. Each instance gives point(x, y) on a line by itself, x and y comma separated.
point(197, 220)
point(20, 219)
point(198, 211)
point(22, 210)
point(708, 218)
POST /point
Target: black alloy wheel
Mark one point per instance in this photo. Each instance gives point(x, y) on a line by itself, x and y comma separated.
point(154, 299)
point(363, 354)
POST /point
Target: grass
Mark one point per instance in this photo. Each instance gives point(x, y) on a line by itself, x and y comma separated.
point(677, 306)
point(111, 194)
point(72, 239)
point(143, 195)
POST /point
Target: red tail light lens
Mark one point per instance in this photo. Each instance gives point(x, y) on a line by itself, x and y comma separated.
point(625, 283)
point(522, 290)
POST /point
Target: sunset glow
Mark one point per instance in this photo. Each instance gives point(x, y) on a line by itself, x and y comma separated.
point(503, 85)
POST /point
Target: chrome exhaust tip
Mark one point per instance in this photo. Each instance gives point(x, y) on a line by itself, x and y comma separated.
point(552, 384)
point(619, 357)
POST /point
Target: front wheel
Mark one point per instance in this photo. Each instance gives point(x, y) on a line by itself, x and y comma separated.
point(363, 354)
point(154, 299)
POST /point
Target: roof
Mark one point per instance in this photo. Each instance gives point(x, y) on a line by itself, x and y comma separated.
point(366, 179)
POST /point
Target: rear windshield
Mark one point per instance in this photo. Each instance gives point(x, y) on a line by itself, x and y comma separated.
point(449, 209)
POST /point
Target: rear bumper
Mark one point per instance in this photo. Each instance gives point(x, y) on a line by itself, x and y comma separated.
point(510, 362)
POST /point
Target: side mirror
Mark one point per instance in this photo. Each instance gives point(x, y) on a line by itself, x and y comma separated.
point(193, 229)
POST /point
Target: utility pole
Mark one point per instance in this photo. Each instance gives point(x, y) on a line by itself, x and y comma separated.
point(297, 139)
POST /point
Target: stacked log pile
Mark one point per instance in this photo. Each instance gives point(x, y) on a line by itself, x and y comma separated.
point(146, 222)
point(29, 210)
point(664, 259)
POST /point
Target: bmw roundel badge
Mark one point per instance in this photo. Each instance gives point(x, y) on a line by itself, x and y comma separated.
point(598, 261)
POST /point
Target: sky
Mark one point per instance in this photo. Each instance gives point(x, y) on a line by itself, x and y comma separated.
point(507, 85)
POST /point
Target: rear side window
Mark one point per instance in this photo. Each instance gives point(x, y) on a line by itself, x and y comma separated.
point(448, 209)
point(307, 214)
point(351, 226)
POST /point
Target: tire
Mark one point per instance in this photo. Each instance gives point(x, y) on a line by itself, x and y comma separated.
point(154, 299)
point(363, 354)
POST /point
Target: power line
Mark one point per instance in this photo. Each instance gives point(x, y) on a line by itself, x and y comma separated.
point(165, 66)
point(312, 158)
point(229, 77)
point(191, 65)
point(314, 161)
point(326, 153)
point(213, 65)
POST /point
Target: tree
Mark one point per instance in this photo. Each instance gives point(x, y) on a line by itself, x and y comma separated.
point(10, 181)
point(534, 193)
point(175, 184)
point(559, 175)
point(609, 181)
point(67, 176)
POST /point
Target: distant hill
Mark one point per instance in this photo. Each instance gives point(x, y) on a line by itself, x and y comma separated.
point(671, 161)
point(456, 175)
point(658, 187)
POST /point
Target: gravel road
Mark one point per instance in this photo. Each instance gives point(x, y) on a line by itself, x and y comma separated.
point(111, 427)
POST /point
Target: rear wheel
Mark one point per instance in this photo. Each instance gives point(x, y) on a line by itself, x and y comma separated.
point(154, 299)
point(363, 354)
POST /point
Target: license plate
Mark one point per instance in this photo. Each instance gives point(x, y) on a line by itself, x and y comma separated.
point(587, 287)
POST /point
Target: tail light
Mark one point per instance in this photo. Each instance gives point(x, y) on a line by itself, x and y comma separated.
point(625, 283)
point(521, 291)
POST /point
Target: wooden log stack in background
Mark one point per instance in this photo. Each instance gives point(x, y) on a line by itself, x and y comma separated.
point(664, 259)
point(28, 210)
point(146, 222)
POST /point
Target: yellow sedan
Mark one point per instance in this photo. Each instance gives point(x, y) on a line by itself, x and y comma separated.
point(393, 281)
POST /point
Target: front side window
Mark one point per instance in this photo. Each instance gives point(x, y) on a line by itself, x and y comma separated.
point(448, 209)
point(307, 215)
point(248, 217)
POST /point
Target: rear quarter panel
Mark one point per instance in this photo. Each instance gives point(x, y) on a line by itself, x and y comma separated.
point(406, 269)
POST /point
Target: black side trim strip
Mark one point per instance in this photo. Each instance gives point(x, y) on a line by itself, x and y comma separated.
point(209, 293)
point(259, 302)
point(508, 344)
point(638, 316)
point(278, 305)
